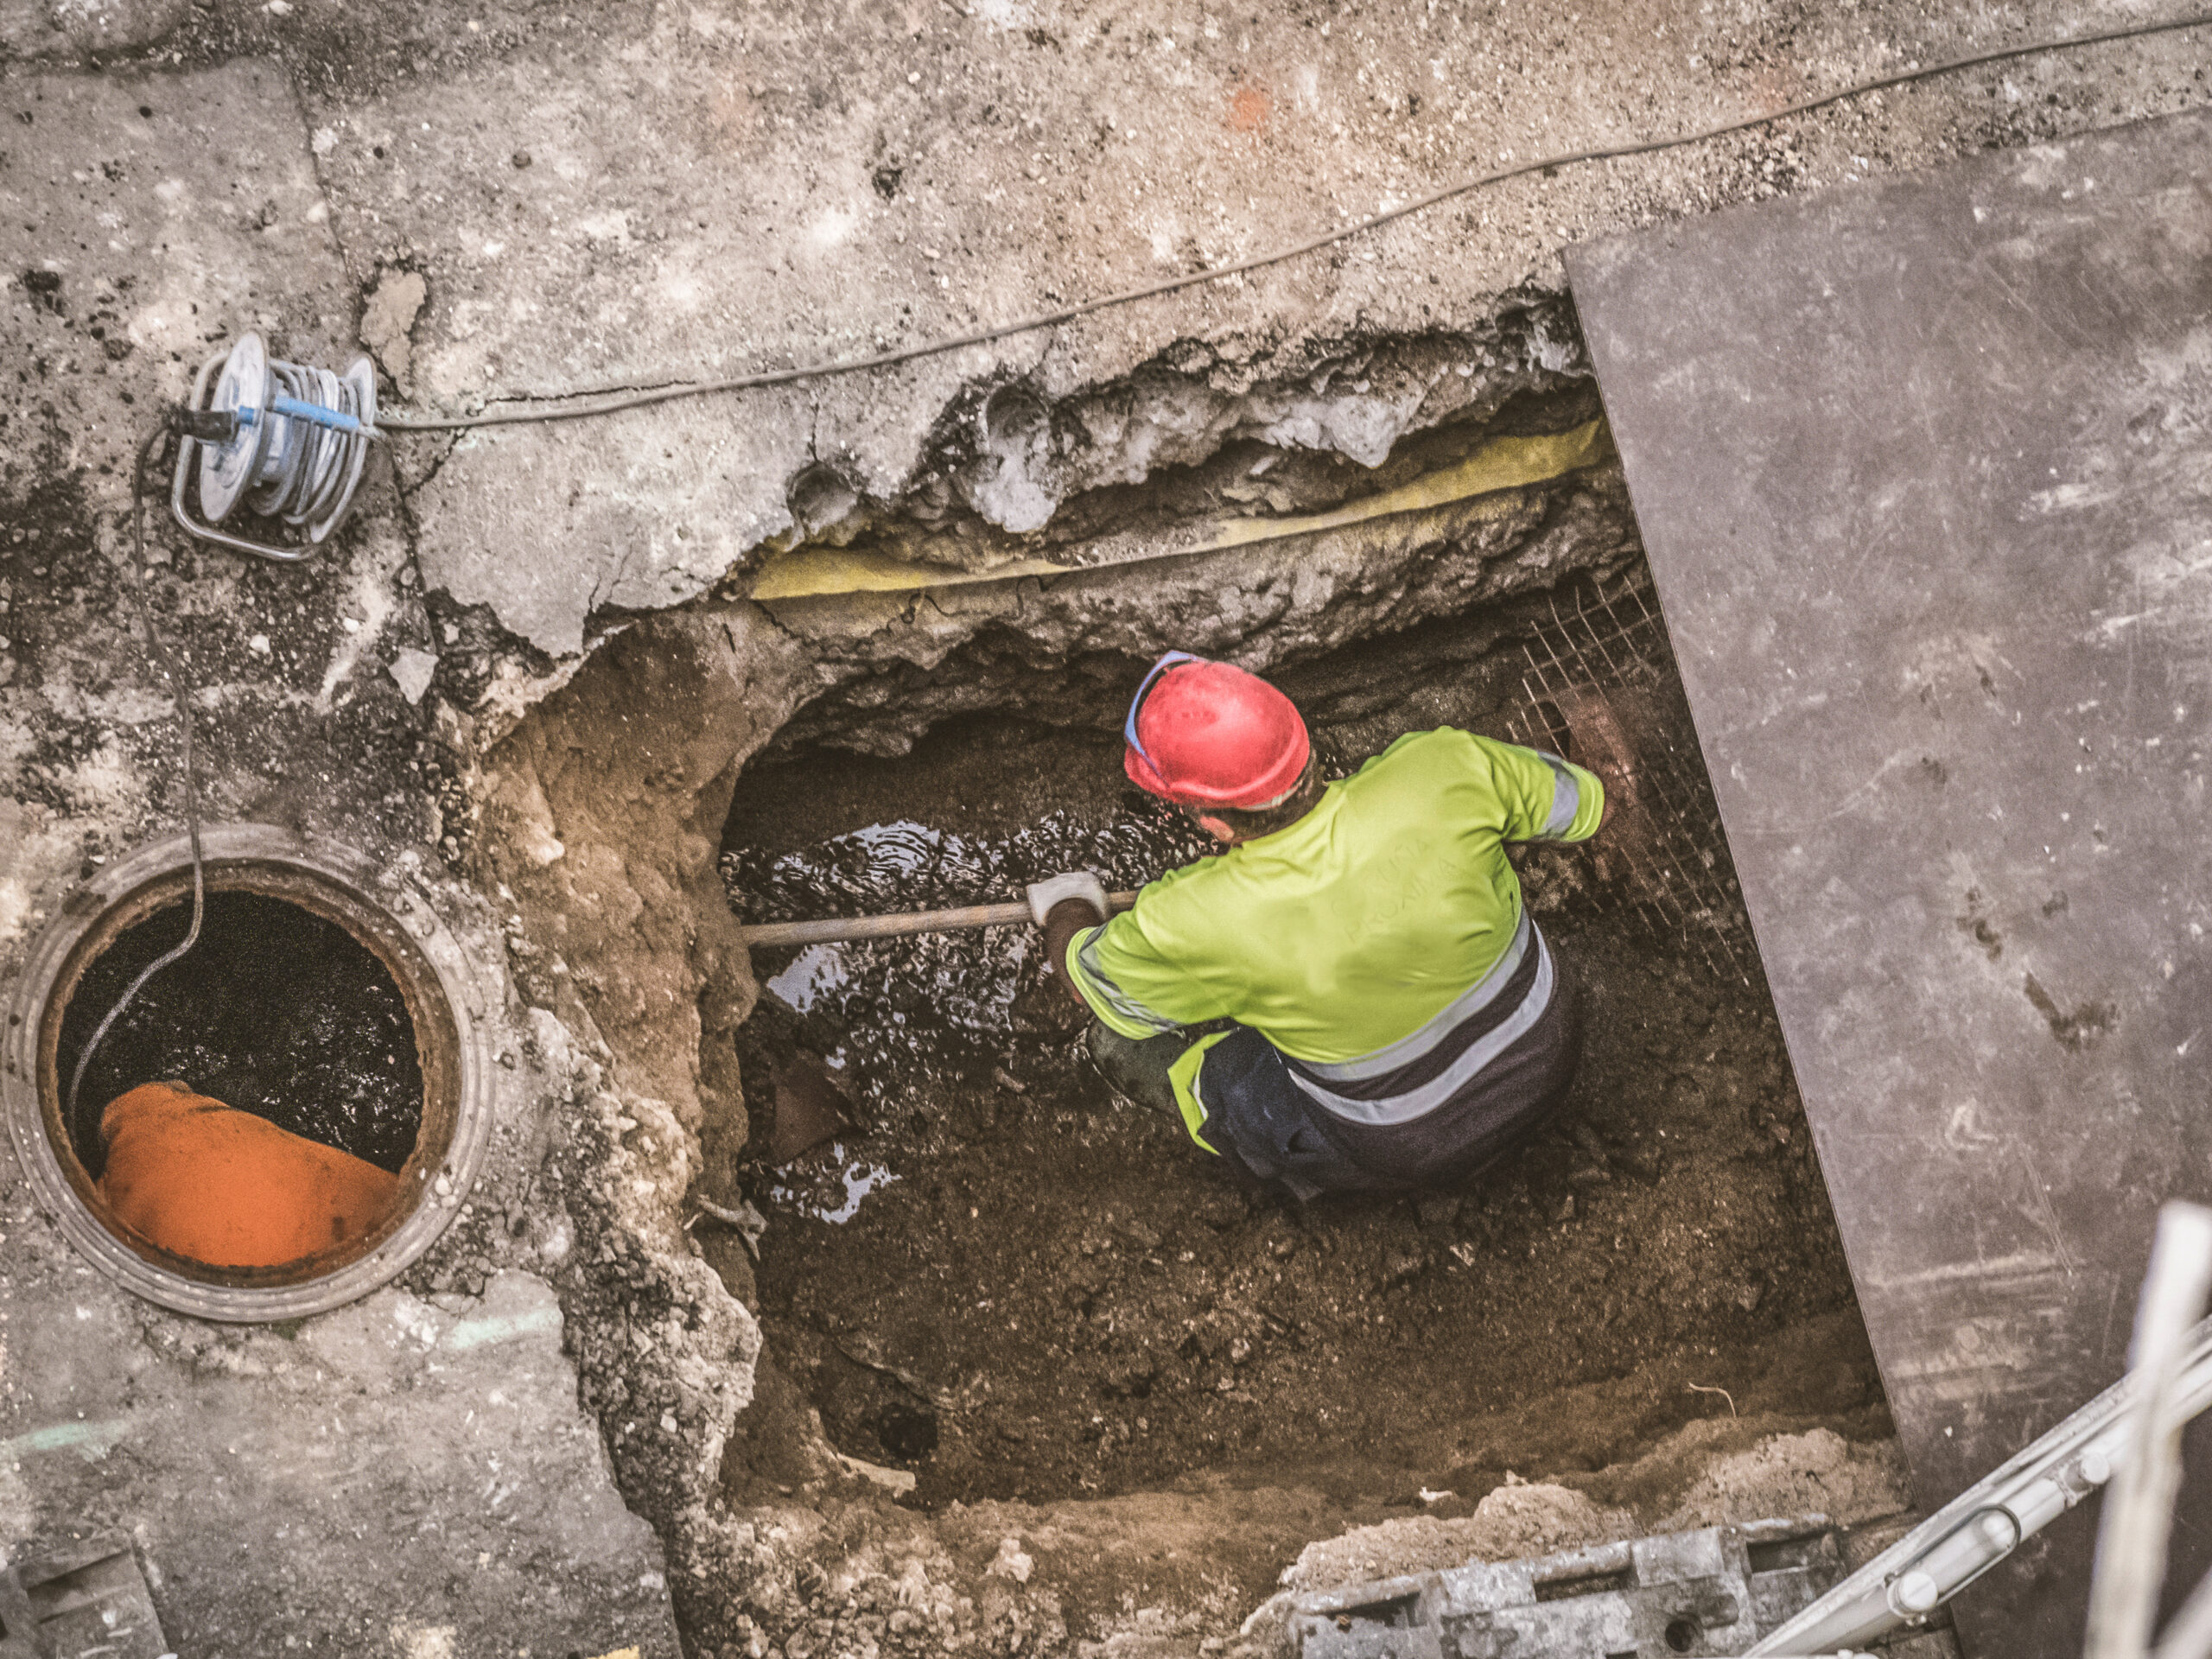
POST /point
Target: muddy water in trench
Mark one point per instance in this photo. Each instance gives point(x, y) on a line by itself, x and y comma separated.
point(1014, 1286)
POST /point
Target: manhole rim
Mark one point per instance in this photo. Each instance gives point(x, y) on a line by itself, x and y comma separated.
point(456, 976)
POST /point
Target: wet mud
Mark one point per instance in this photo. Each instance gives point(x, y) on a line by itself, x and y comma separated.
point(1007, 1282)
point(276, 1011)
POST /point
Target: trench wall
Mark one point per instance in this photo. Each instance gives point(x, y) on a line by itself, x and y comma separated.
point(605, 808)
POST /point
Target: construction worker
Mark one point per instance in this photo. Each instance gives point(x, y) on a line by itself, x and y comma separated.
point(1352, 996)
point(220, 1186)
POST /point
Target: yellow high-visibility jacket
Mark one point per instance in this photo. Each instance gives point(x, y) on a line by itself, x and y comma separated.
point(1372, 923)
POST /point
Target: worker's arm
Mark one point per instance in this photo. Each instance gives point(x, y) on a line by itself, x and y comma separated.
point(1145, 972)
point(1115, 969)
point(1542, 796)
point(1065, 906)
point(1159, 966)
point(1062, 923)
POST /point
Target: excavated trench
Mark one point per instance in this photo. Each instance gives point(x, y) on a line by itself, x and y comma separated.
point(985, 1280)
point(997, 1277)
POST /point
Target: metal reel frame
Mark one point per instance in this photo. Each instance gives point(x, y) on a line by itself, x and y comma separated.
point(187, 455)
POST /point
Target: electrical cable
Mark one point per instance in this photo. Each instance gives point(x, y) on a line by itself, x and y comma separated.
point(391, 422)
point(159, 651)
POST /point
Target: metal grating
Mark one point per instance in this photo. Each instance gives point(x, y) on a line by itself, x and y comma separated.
point(1601, 684)
point(1714, 1590)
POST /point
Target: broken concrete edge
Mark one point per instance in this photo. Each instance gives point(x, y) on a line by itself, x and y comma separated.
point(978, 495)
point(990, 1567)
point(1654, 1577)
point(1710, 1473)
point(524, 667)
point(654, 523)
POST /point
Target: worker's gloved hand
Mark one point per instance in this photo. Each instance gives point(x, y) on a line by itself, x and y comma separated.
point(1057, 889)
point(1064, 906)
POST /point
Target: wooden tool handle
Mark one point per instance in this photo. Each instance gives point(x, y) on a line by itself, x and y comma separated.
point(836, 930)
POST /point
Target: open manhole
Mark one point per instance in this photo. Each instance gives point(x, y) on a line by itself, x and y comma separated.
point(323, 998)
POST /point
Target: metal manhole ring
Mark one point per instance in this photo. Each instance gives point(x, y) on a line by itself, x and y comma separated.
point(447, 993)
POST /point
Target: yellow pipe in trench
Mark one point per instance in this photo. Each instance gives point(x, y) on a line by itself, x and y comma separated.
point(1502, 464)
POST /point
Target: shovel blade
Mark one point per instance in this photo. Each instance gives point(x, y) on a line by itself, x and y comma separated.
point(809, 1109)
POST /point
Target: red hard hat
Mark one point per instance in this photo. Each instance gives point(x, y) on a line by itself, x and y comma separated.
point(1207, 733)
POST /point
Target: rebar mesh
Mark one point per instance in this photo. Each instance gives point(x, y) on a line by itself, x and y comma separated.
point(1601, 675)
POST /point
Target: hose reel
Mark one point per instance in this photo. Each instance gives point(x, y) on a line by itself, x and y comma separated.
point(285, 440)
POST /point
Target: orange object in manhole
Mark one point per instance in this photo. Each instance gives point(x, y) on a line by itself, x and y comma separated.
point(199, 1251)
point(223, 1186)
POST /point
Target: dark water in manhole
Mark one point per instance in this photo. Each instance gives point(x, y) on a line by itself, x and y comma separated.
point(276, 1011)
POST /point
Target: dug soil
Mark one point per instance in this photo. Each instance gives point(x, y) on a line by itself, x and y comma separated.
point(999, 1277)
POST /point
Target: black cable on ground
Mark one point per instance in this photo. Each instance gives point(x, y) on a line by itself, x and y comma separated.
point(1219, 273)
point(182, 691)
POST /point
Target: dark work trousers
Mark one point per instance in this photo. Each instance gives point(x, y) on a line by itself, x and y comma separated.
point(1274, 1135)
